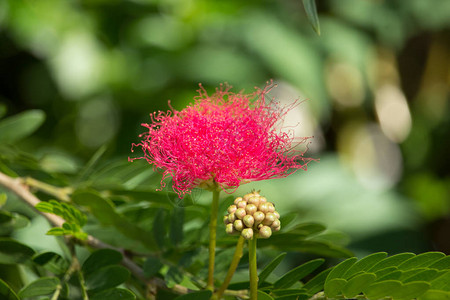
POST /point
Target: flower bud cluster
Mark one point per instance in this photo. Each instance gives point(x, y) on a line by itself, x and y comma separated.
point(252, 215)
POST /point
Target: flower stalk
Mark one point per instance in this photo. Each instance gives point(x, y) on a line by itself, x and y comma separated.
point(212, 238)
point(233, 266)
point(253, 270)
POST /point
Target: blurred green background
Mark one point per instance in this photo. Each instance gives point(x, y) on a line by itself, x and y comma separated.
point(376, 80)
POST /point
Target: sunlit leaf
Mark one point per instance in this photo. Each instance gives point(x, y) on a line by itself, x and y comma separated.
point(421, 260)
point(334, 287)
point(411, 290)
point(390, 261)
point(357, 284)
point(382, 289)
point(435, 295)
point(364, 264)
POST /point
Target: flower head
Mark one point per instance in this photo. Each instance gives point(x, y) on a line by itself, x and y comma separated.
point(221, 141)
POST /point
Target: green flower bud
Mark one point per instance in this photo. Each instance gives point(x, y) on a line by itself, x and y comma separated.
point(276, 228)
point(249, 221)
point(231, 218)
point(254, 200)
point(263, 207)
point(276, 214)
point(238, 225)
point(275, 224)
point(262, 199)
point(225, 220)
point(270, 207)
point(259, 217)
point(230, 229)
point(268, 220)
point(237, 200)
point(231, 209)
point(251, 209)
point(265, 232)
point(242, 204)
point(240, 213)
point(247, 233)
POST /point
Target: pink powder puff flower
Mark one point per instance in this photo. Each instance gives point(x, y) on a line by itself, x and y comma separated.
point(221, 141)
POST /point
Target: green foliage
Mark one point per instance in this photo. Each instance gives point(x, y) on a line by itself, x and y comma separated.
point(311, 13)
point(73, 217)
point(17, 127)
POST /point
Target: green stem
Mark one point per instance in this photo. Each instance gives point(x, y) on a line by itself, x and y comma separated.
point(234, 263)
point(253, 268)
point(58, 192)
point(212, 239)
point(74, 267)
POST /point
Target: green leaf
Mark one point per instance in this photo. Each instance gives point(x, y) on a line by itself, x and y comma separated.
point(263, 296)
point(357, 284)
point(3, 110)
point(13, 252)
point(425, 275)
point(107, 277)
point(176, 226)
point(159, 228)
point(390, 261)
point(421, 260)
point(441, 264)
point(104, 211)
point(99, 259)
point(6, 292)
point(152, 266)
point(395, 275)
point(307, 229)
point(173, 276)
point(287, 292)
point(52, 262)
point(311, 13)
point(57, 231)
point(114, 294)
point(39, 287)
point(411, 290)
point(334, 287)
point(382, 289)
point(339, 270)
point(380, 273)
point(201, 295)
point(270, 267)
point(20, 126)
point(442, 282)
point(297, 273)
point(316, 284)
point(364, 264)
point(435, 295)
point(3, 198)
point(11, 221)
